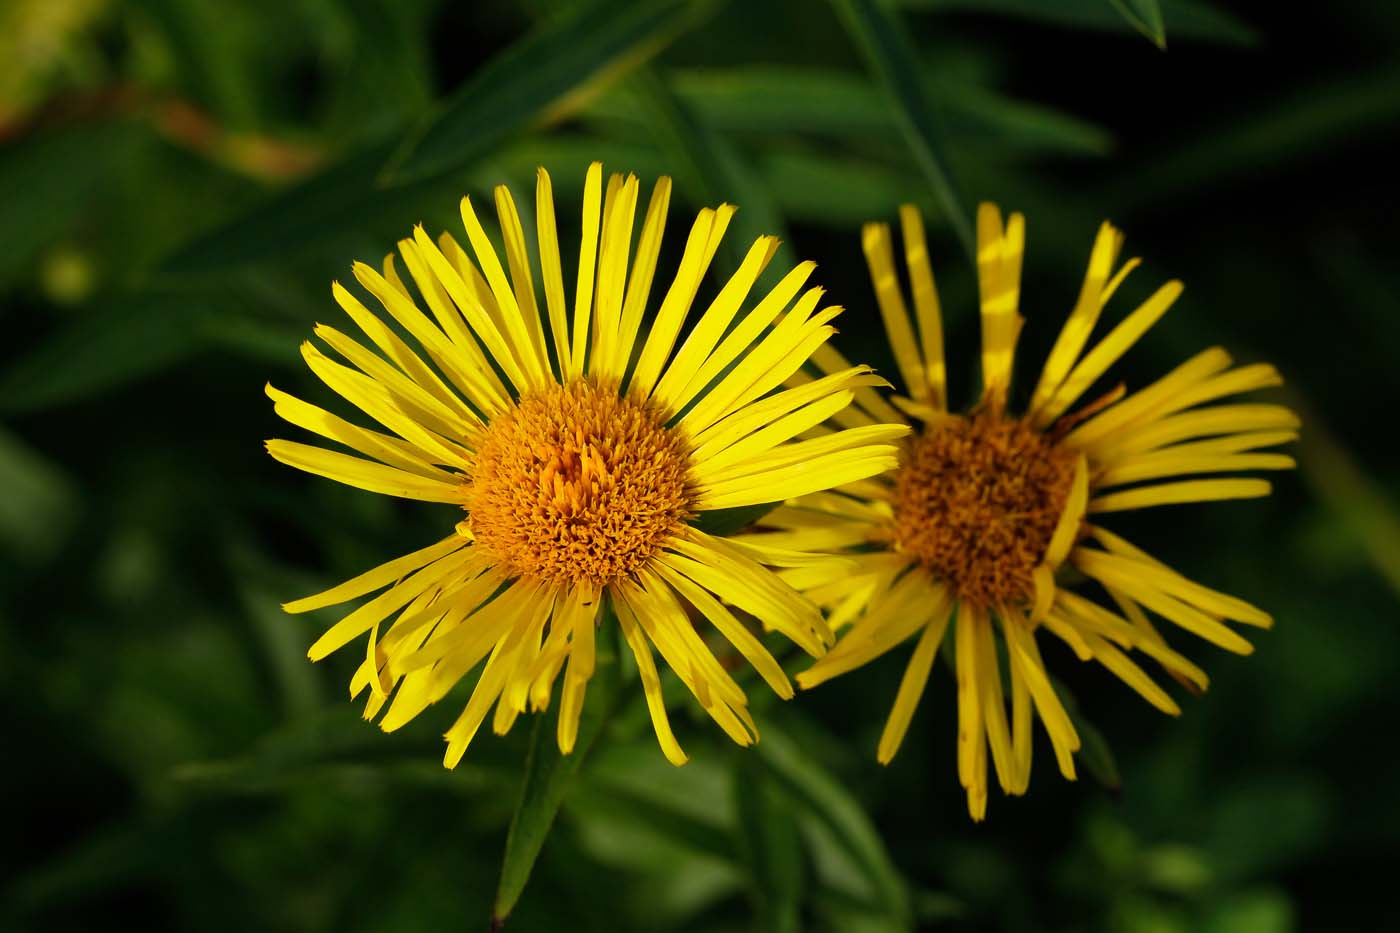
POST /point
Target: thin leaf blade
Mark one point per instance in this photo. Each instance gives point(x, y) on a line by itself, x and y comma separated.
point(543, 74)
point(548, 775)
point(1146, 17)
point(892, 58)
point(808, 784)
point(772, 849)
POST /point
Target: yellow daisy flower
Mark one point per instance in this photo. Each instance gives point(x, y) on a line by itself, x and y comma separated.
point(986, 509)
point(580, 454)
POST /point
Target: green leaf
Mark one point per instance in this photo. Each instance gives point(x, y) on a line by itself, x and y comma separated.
point(1188, 19)
point(893, 59)
point(40, 503)
point(49, 179)
point(119, 341)
point(545, 74)
point(1095, 754)
point(812, 789)
point(711, 171)
point(826, 102)
point(721, 522)
point(336, 203)
point(1303, 123)
point(546, 71)
point(548, 775)
point(772, 848)
point(1146, 17)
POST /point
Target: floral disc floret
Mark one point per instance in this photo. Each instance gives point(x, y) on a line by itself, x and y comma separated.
point(576, 484)
point(977, 500)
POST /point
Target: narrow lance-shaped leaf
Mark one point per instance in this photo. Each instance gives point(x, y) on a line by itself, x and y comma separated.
point(892, 58)
point(711, 170)
point(554, 65)
point(772, 849)
point(814, 790)
point(548, 775)
point(533, 79)
point(1094, 753)
point(1146, 17)
point(1189, 19)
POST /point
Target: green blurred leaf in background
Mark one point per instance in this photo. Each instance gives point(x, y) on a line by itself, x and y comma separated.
point(182, 181)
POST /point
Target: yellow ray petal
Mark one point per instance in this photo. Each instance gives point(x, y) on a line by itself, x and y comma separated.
point(382, 447)
point(1196, 490)
point(911, 686)
point(926, 308)
point(468, 359)
point(471, 308)
point(879, 257)
point(516, 330)
point(363, 474)
point(1151, 596)
point(412, 401)
point(700, 247)
point(787, 482)
point(1067, 527)
point(619, 212)
point(651, 685)
point(756, 458)
point(1107, 352)
point(1162, 466)
point(972, 741)
point(675, 389)
point(643, 270)
point(1132, 675)
point(396, 597)
point(994, 704)
point(777, 357)
point(1080, 323)
point(581, 662)
point(827, 359)
point(744, 641)
point(749, 329)
point(379, 577)
point(999, 254)
point(551, 270)
point(1132, 560)
point(464, 370)
point(893, 615)
point(1215, 420)
point(521, 280)
point(1025, 657)
point(1145, 404)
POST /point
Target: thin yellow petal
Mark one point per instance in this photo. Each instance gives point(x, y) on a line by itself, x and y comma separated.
point(1108, 350)
point(363, 474)
point(643, 269)
point(1196, 490)
point(1080, 323)
point(879, 257)
point(651, 686)
point(926, 308)
point(911, 686)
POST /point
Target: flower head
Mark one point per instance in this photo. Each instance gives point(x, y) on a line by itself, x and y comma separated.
point(579, 450)
point(987, 507)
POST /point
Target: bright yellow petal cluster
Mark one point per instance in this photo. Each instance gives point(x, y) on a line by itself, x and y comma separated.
point(1161, 445)
point(581, 412)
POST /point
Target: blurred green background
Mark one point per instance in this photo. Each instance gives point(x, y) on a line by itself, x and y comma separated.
point(180, 180)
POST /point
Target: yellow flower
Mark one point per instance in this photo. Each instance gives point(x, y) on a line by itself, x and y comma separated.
point(987, 507)
point(581, 455)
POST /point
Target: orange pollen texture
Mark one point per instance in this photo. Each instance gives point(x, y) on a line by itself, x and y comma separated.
point(577, 484)
point(977, 500)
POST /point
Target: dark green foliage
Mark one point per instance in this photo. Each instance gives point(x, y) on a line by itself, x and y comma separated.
point(180, 180)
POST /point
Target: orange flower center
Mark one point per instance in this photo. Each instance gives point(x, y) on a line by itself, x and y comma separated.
point(577, 484)
point(976, 501)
